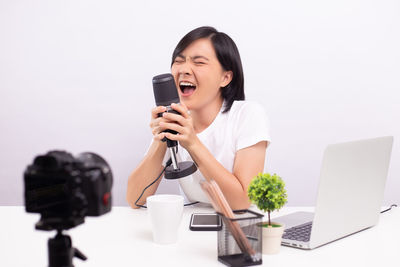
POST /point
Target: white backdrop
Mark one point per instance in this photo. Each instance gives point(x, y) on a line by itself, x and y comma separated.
point(76, 75)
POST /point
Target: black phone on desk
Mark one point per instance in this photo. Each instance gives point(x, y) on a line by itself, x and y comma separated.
point(205, 222)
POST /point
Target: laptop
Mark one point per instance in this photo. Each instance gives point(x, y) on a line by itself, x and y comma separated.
point(350, 194)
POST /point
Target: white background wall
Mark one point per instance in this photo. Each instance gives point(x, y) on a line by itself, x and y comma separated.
point(76, 75)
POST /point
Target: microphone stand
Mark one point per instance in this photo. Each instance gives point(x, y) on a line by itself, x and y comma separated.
point(165, 93)
point(178, 169)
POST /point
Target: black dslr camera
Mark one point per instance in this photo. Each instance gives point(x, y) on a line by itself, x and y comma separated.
point(64, 190)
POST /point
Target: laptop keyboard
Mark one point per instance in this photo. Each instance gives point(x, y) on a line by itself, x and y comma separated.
point(299, 233)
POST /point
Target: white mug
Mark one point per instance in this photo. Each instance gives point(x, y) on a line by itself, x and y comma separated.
point(165, 213)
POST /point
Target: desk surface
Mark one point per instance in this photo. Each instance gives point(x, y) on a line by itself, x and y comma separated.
point(123, 238)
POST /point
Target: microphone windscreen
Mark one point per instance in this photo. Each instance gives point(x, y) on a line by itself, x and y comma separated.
point(165, 92)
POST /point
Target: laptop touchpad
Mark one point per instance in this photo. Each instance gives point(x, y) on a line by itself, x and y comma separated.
point(295, 219)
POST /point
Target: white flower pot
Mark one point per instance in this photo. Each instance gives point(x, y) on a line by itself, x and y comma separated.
point(272, 238)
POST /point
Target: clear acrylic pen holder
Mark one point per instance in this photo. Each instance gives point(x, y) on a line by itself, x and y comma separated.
point(241, 248)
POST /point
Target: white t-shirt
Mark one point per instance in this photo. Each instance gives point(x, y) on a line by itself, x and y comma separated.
point(244, 125)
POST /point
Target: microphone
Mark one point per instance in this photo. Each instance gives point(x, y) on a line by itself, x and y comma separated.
point(165, 93)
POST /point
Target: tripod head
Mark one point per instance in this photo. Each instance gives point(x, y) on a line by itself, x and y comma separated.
point(61, 251)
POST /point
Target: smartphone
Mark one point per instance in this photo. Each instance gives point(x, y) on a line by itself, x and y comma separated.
point(205, 222)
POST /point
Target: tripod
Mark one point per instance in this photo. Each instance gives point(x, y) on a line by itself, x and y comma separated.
point(61, 251)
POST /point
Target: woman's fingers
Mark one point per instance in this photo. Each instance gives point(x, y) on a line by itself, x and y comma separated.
point(155, 111)
point(182, 109)
point(170, 136)
point(155, 120)
point(172, 126)
point(183, 118)
point(174, 118)
point(157, 130)
point(159, 136)
point(181, 123)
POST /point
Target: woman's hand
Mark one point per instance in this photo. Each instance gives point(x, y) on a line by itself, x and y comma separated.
point(181, 123)
point(156, 129)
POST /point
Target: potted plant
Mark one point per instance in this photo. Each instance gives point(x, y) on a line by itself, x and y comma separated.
point(268, 193)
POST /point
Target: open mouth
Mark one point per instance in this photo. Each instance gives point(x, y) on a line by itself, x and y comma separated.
point(187, 88)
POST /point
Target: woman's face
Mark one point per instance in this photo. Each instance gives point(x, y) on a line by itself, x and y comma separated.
point(199, 75)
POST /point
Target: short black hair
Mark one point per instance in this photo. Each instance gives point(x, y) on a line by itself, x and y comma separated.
point(227, 55)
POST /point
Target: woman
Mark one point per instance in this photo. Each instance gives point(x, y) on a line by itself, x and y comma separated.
point(225, 136)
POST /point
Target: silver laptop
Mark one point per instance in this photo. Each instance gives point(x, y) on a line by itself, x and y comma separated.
point(350, 194)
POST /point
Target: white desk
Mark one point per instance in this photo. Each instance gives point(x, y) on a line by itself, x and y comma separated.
point(123, 238)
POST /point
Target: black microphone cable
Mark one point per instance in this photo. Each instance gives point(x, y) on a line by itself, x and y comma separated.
point(169, 162)
point(391, 206)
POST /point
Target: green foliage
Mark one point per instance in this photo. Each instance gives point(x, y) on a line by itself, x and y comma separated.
point(267, 192)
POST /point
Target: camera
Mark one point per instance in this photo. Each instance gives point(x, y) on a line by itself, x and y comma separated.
point(64, 190)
